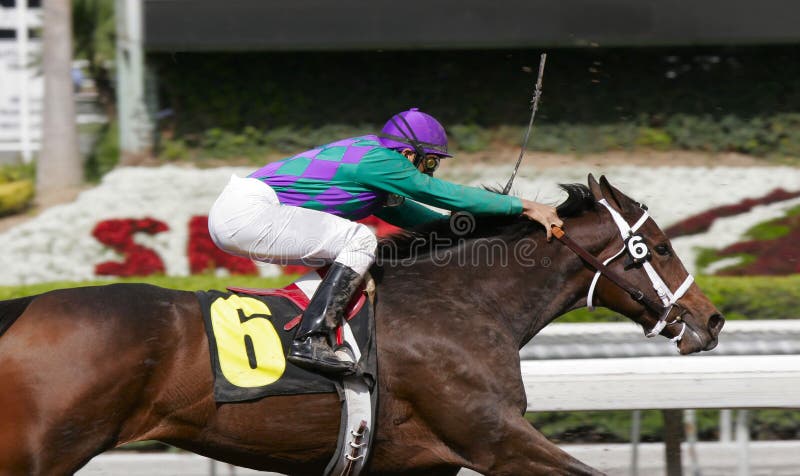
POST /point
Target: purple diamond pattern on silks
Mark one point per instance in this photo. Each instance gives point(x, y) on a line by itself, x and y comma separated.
point(366, 210)
point(281, 180)
point(338, 213)
point(320, 169)
point(310, 154)
point(354, 153)
point(334, 196)
point(293, 198)
point(343, 142)
point(370, 196)
point(267, 170)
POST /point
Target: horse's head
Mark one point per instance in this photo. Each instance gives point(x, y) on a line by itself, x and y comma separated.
point(663, 299)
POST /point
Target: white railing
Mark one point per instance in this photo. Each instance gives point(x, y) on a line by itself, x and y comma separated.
point(681, 382)
point(676, 383)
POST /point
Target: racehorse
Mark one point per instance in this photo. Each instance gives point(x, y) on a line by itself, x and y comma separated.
point(88, 369)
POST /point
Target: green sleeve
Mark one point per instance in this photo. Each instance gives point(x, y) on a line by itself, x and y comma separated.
point(408, 214)
point(389, 171)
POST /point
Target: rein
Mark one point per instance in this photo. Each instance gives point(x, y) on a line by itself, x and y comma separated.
point(637, 249)
point(612, 275)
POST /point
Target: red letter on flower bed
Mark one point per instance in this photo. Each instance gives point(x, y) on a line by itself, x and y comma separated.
point(205, 256)
point(118, 234)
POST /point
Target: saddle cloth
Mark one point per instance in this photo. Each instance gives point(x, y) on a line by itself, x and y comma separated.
point(249, 333)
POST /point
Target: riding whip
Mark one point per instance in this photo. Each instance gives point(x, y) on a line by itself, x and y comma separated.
point(534, 106)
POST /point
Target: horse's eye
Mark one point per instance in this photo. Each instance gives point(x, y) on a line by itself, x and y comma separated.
point(663, 249)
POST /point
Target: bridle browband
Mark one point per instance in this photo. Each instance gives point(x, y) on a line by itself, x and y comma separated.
point(638, 251)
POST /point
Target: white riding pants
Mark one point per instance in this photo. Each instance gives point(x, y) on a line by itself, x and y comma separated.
point(248, 220)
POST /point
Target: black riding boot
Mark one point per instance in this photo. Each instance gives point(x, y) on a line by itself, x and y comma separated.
point(311, 347)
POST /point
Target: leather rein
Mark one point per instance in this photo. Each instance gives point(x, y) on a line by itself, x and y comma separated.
point(638, 251)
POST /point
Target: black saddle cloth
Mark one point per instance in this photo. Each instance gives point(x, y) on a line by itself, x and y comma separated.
point(248, 346)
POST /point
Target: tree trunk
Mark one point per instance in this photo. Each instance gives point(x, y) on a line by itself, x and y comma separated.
point(59, 169)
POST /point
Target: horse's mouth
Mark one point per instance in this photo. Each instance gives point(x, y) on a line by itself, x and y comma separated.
point(712, 345)
point(690, 339)
point(692, 342)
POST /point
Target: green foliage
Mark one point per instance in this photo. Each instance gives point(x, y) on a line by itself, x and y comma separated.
point(768, 231)
point(15, 196)
point(706, 256)
point(704, 99)
point(709, 256)
point(653, 138)
point(751, 297)
point(254, 143)
point(16, 187)
point(469, 137)
point(174, 149)
point(16, 172)
point(189, 283)
point(105, 153)
point(615, 426)
point(94, 31)
point(754, 297)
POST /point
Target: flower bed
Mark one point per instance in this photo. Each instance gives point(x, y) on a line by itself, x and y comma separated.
point(703, 221)
point(162, 210)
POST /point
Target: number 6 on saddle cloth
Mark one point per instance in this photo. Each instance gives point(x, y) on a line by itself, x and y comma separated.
point(249, 333)
point(250, 330)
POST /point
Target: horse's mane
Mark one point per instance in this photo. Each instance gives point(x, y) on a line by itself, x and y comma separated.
point(503, 227)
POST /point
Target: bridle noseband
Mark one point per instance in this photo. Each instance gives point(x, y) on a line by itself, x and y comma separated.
point(639, 253)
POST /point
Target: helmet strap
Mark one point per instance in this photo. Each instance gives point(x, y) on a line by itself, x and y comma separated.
point(412, 140)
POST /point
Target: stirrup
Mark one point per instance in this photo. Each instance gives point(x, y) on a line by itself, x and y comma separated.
point(316, 357)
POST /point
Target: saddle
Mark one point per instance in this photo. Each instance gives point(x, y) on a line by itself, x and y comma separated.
point(301, 291)
point(249, 333)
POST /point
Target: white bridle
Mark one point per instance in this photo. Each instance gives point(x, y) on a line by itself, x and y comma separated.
point(668, 298)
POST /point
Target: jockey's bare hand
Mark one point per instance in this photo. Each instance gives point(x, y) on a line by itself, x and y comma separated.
point(544, 214)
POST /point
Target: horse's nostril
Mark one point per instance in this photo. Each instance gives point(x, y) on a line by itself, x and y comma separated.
point(715, 324)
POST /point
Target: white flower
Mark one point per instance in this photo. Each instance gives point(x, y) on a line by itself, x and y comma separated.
point(58, 244)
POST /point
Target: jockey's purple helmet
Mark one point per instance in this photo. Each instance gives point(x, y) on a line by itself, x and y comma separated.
point(408, 127)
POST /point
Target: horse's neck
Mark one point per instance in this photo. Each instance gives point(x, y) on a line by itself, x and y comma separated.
point(565, 282)
point(521, 296)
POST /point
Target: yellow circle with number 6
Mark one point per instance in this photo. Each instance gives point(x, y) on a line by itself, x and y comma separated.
point(248, 346)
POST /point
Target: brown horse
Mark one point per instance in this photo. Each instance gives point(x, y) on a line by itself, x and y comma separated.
point(88, 369)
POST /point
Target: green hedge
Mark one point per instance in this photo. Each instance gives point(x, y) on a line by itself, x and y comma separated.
point(614, 426)
point(190, 283)
point(16, 187)
point(711, 99)
point(753, 297)
point(15, 196)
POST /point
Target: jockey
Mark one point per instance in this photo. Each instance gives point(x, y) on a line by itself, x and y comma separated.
point(299, 210)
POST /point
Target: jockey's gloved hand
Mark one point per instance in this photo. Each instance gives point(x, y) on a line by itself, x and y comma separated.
point(544, 214)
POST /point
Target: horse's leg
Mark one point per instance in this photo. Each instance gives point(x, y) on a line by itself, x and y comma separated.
point(524, 450)
point(452, 407)
point(494, 436)
point(73, 369)
point(45, 431)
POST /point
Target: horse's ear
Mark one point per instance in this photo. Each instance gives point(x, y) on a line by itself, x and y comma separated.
point(614, 197)
point(595, 188)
